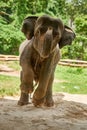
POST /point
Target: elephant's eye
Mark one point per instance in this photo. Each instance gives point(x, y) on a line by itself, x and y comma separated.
point(43, 29)
point(50, 28)
point(37, 32)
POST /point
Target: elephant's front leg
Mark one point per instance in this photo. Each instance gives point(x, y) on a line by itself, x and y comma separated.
point(26, 85)
point(49, 99)
point(40, 92)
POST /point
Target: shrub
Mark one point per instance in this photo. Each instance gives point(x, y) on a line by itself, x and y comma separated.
point(10, 39)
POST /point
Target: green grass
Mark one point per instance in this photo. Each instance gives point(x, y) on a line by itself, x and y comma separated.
point(11, 64)
point(9, 85)
point(71, 80)
point(68, 79)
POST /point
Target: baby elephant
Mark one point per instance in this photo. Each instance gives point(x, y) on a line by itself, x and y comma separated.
point(39, 60)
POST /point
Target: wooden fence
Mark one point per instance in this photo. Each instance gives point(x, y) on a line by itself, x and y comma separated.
point(64, 62)
point(9, 58)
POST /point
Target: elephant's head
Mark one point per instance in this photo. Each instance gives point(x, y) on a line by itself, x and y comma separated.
point(48, 32)
point(28, 28)
point(67, 37)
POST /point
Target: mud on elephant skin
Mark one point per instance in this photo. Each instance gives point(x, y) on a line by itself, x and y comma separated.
point(39, 60)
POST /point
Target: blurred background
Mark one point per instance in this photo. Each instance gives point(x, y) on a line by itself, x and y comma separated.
point(72, 12)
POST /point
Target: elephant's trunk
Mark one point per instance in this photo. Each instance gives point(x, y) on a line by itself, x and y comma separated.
point(47, 42)
point(43, 42)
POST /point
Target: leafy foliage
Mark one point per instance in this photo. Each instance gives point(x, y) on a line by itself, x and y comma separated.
point(10, 39)
point(72, 12)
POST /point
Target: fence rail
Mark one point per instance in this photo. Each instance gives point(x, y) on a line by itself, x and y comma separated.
point(9, 58)
point(64, 62)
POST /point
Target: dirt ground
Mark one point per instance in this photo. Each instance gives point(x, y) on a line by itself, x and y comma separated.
point(69, 113)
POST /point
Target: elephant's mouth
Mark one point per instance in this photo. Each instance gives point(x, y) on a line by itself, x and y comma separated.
point(43, 44)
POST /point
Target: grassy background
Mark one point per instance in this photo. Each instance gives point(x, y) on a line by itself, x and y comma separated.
point(73, 80)
point(67, 79)
point(9, 85)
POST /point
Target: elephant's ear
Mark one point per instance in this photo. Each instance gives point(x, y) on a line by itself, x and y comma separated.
point(28, 26)
point(31, 18)
point(67, 37)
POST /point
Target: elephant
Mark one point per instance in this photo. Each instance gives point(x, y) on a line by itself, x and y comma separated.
point(39, 60)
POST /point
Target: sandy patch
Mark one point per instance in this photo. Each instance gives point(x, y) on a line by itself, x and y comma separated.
point(69, 113)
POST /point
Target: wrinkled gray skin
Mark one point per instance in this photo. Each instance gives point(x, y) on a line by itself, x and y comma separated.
point(39, 60)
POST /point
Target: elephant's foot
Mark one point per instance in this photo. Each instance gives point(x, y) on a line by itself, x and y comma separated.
point(38, 102)
point(49, 102)
point(23, 99)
